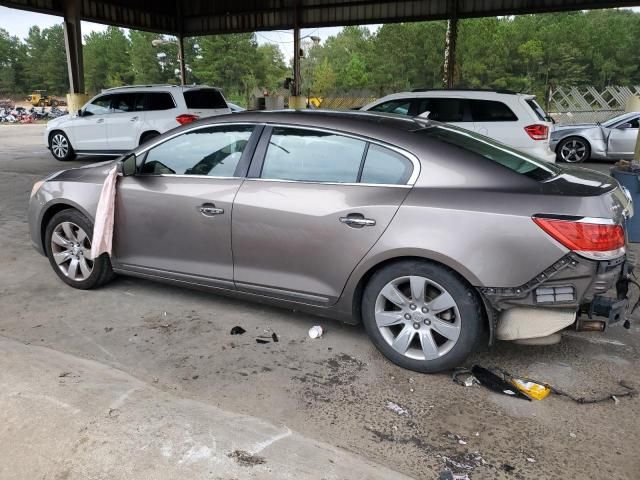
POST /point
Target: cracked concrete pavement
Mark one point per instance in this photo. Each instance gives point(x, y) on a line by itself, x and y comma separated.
point(143, 380)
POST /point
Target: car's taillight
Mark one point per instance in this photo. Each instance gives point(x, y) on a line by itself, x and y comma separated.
point(186, 118)
point(537, 131)
point(587, 237)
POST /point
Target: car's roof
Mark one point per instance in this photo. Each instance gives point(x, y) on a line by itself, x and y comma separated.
point(358, 122)
point(461, 93)
point(156, 88)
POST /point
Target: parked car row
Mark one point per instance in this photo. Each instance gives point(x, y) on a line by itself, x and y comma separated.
point(432, 236)
point(120, 119)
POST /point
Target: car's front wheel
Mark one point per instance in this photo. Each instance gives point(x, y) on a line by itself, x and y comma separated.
point(574, 150)
point(60, 146)
point(421, 316)
point(68, 245)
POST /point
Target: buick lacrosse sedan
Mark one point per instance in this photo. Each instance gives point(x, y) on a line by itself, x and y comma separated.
point(434, 238)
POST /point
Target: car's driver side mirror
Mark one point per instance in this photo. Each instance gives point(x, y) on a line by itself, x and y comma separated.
point(127, 166)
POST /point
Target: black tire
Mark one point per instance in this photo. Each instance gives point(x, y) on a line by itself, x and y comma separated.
point(573, 150)
point(41, 103)
point(101, 271)
point(470, 327)
point(61, 147)
point(146, 136)
point(54, 103)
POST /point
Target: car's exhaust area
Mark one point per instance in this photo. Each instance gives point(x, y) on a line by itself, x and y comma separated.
point(525, 323)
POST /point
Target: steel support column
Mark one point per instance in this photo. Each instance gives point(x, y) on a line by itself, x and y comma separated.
point(73, 45)
point(451, 41)
point(183, 68)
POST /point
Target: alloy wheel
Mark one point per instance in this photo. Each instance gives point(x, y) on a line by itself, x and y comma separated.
point(59, 145)
point(573, 151)
point(417, 317)
point(71, 249)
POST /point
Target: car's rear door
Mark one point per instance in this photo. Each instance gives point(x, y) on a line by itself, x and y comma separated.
point(314, 203)
point(173, 218)
point(125, 121)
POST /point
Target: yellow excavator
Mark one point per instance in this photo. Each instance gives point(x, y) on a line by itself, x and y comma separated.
point(39, 98)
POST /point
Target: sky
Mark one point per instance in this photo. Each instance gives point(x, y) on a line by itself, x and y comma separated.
point(18, 22)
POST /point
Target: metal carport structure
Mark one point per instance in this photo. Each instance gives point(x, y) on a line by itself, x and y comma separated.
point(185, 18)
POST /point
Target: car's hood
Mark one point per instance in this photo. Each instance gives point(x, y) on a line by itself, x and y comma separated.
point(95, 172)
point(574, 126)
point(561, 131)
point(58, 122)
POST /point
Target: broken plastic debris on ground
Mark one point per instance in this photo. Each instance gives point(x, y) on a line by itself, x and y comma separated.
point(394, 407)
point(315, 331)
point(503, 382)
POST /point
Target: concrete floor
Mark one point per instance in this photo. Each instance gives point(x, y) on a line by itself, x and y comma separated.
point(142, 380)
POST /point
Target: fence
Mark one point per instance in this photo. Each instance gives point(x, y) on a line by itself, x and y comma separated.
point(588, 104)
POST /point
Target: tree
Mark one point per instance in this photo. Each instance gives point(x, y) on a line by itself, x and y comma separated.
point(324, 79)
point(106, 60)
point(144, 58)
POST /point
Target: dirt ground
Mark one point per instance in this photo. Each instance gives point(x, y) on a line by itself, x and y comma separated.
point(335, 394)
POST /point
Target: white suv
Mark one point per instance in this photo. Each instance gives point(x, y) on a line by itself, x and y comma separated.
point(512, 118)
point(119, 119)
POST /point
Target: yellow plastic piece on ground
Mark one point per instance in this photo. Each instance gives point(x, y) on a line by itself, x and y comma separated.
point(532, 389)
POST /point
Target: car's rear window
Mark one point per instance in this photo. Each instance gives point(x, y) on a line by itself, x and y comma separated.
point(540, 113)
point(513, 160)
point(204, 98)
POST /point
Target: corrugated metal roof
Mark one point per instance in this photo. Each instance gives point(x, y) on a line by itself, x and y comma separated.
point(202, 17)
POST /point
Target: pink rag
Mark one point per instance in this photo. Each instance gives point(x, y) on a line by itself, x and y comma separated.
point(103, 225)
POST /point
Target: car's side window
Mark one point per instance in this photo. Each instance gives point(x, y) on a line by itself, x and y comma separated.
point(400, 107)
point(444, 109)
point(213, 151)
point(634, 122)
point(491, 111)
point(159, 101)
point(384, 166)
point(311, 155)
point(98, 106)
point(128, 102)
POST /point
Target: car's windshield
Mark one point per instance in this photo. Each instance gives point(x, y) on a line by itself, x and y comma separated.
point(512, 159)
point(614, 120)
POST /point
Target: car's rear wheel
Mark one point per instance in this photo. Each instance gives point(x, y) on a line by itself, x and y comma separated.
point(421, 316)
point(60, 146)
point(68, 245)
point(574, 150)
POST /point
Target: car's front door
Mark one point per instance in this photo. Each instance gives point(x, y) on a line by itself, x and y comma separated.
point(315, 202)
point(622, 139)
point(173, 218)
point(125, 121)
point(89, 130)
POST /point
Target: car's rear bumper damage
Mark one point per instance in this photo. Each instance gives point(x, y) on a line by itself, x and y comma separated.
point(572, 292)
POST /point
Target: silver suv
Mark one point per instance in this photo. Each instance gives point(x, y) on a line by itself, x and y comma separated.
point(427, 234)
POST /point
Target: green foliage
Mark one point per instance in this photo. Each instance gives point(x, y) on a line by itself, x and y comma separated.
point(324, 79)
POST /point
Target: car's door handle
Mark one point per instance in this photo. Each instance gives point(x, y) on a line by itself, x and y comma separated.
point(133, 119)
point(100, 120)
point(357, 220)
point(209, 210)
